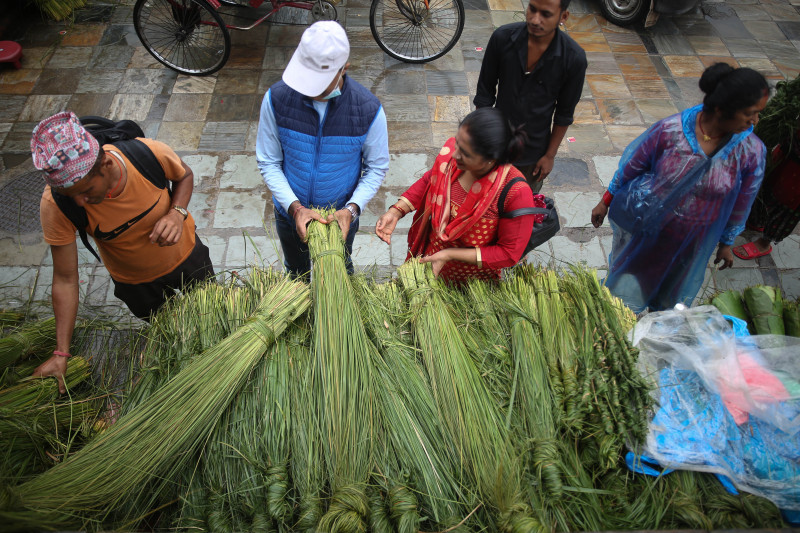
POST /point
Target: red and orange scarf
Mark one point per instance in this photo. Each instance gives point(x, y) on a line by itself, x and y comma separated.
point(434, 214)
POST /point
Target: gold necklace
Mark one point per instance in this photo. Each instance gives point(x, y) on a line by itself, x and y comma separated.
point(706, 137)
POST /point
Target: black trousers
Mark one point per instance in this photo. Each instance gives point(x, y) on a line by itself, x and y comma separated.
point(144, 299)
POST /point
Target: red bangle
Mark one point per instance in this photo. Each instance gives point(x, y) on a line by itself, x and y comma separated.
point(402, 213)
point(607, 197)
point(62, 354)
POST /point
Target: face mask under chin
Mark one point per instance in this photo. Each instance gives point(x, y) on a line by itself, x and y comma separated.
point(335, 92)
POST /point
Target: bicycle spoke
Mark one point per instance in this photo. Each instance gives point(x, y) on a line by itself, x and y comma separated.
point(185, 35)
point(408, 31)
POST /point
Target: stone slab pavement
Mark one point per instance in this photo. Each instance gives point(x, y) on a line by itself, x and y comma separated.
point(95, 65)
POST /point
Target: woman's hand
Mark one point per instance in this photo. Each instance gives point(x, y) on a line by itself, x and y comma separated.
point(386, 224)
point(437, 260)
point(724, 255)
point(599, 214)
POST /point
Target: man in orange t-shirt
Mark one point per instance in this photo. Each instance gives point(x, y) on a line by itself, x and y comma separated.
point(145, 236)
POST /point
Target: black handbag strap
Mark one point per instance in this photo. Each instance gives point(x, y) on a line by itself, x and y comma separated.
point(527, 211)
point(501, 202)
point(521, 211)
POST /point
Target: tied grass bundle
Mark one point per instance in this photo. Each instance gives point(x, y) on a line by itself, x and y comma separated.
point(148, 447)
point(38, 428)
point(190, 325)
point(31, 337)
point(613, 393)
point(485, 338)
point(245, 463)
point(412, 439)
point(342, 380)
point(33, 392)
point(271, 435)
point(235, 459)
point(35, 439)
point(466, 408)
point(534, 398)
point(765, 306)
point(305, 440)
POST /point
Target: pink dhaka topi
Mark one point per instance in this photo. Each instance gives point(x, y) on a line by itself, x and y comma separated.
point(63, 149)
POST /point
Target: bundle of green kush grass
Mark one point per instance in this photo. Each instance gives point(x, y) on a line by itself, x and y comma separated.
point(264, 404)
point(38, 426)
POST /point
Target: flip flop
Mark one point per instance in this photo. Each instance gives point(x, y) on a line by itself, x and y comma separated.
point(749, 251)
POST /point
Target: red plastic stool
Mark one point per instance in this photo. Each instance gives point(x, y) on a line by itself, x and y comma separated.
point(10, 52)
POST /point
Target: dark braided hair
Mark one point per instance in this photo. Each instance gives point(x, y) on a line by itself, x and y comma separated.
point(492, 135)
point(731, 89)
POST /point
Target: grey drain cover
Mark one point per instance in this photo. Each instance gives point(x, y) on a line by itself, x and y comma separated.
point(19, 203)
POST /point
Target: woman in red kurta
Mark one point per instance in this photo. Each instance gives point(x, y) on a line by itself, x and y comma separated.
point(457, 226)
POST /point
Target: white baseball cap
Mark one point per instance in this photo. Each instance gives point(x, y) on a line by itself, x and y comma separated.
point(323, 50)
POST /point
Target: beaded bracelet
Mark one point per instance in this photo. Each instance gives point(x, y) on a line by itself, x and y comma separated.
point(61, 354)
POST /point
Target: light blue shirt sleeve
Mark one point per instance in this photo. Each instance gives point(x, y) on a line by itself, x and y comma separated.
point(375, 157)
point(269, 156)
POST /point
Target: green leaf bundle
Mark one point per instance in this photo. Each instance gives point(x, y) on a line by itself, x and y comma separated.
point(791, 318)
point(765, 306)
point(730, 303)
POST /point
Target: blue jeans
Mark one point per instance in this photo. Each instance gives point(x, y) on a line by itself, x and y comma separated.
point(296, 257)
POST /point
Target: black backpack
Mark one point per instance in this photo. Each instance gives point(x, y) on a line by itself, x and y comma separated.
point(542, 232)
point(122, 135)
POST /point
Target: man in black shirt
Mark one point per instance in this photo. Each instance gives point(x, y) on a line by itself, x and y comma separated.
point(534, 72)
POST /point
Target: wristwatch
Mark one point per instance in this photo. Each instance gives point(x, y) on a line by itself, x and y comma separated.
point(354, 210)
point(181, 210)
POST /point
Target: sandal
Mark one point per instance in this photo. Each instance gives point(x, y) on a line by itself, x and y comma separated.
point(749, 251)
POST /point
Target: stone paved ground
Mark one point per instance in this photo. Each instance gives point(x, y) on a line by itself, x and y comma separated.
point(96, 66)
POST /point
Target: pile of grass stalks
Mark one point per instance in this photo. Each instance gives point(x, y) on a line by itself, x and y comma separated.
point(39, 427)
point(402, 406)
point(131, 465)
point(29, 338)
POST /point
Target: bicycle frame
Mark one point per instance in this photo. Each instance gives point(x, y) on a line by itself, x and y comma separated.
point(277, 5)
point(193, 36)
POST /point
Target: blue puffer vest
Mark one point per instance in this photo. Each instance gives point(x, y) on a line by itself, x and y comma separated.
point(322, 160)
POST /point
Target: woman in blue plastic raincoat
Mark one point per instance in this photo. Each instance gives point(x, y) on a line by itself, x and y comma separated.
point(684, 187)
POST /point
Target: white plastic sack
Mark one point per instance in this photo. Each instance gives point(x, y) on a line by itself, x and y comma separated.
point(725, 404)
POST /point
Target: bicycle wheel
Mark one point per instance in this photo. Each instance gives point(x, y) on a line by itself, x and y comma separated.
point(323, 10)
point(409, 31)
point(186, 35)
